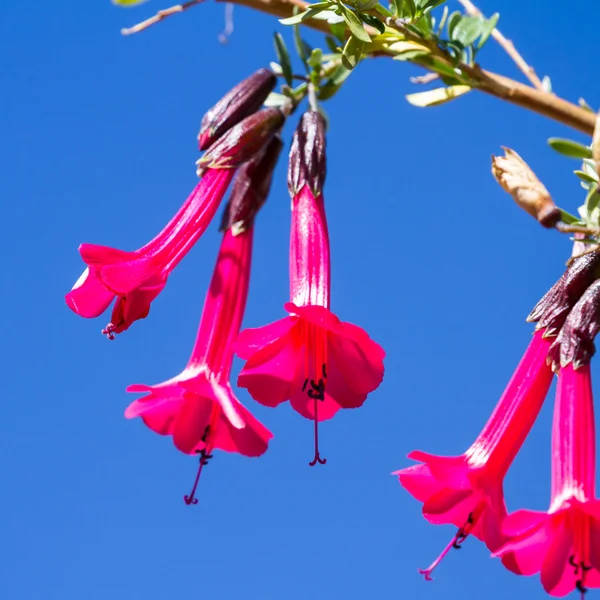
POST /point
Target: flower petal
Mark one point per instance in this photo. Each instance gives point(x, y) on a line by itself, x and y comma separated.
point(89, 297)
point(191, 422)
point(250, 341)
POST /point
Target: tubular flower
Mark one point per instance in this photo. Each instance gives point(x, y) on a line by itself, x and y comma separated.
point(467, 490)
point(198, 407)
point(563, 543)
point(311, 358)
point(136, 278)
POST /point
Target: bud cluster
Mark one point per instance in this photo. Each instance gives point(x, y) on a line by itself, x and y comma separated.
point(570, 311)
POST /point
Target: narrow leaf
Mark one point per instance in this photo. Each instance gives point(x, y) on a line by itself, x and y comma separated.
point(352, 52)
point(373, 22)
point(283, 56)
point(355, 26)
point(570, 148)
point(437, 95)
point(487, 29)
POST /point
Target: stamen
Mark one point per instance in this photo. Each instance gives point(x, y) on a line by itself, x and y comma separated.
point(204, 458)
point(317, 392)
point(580, 583)
point(455, 543)
point(108, 331)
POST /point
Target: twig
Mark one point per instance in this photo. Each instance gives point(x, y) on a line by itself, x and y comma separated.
point(159, 16)
point(428, 78)
point(508, 47)
point(564, 228)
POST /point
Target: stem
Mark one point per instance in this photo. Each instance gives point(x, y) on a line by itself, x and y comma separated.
point(160, 16)
point(508, 47)
point(548, 105)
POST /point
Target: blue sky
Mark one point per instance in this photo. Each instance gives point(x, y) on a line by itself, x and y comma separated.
point(428, 255)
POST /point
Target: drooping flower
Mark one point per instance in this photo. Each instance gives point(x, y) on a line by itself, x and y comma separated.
point(198, 407)
point(136, 278)
point(467, 490)
point(563, 543)
point(311, 358)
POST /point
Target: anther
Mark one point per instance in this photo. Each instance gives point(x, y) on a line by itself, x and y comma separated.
point(204, 458)
point(455, 543)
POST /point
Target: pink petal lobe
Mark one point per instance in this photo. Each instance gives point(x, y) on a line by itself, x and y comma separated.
point(191, 423)
point(100, 256)
point(445, 501)
point(360, 362)
point(418, 481)
point(268, 374)
point(338, 389)
point(250, 440)
point(450, 471)
point(89, 297)
point(315, 315)
point(558, 576)
point(250, 341)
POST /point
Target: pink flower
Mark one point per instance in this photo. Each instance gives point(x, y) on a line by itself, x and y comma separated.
point(563, 543)
point(467, 490)
point(136, 278)
point(198, 407)
point(310, 358)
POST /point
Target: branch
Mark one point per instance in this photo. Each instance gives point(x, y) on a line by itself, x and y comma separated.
point(512, 91)
point(160, 16)
point(508, 47)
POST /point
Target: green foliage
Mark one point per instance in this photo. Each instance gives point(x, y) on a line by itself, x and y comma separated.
point(128, 2)
point(570, 148)
point(283, 57)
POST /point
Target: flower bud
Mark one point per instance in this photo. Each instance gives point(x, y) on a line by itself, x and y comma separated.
point(242, 141)
point(552, 310)
point(250, 188)
point(575, 342)
point(307, 164)
point(515, 176)
point(244, 99)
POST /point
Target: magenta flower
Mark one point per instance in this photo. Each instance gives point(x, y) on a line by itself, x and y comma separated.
point(467, 490)
point(563, 543)
point(198, 407)
point(136, 278)
point(310, 358)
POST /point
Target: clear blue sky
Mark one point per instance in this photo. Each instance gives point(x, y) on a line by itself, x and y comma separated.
point(429, 255)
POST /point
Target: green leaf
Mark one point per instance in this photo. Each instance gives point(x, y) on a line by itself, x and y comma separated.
point(352, 52)
point(585, 177)
point(128, 2)
point(453, 20)
point(570, 148)
point(487, 29)
point(373, 22)
point(302, 48)
point(567, 217)
point(334, 83)
point(467, 30)
point(276, 99)
point(437, 95)
point(283, 56)
point(331, 43)
point(339, 31)
point(409, 7)
point(355, 25)
point(315, 58)
point(443, 20)
point(314, 9)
